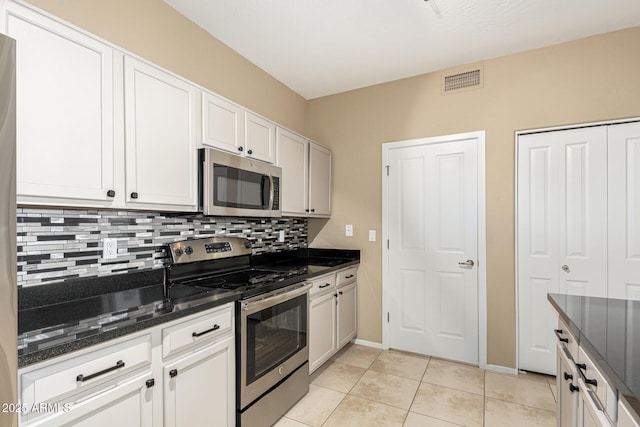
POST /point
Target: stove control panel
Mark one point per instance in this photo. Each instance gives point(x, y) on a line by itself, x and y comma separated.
point(217, 247)
point(209, 248)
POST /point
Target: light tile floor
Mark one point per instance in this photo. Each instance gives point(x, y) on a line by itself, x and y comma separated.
point(362, 386)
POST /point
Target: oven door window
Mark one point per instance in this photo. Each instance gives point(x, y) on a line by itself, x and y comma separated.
point(275, 334)
point(238, 188)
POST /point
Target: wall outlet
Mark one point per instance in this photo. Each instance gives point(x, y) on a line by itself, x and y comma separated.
point(372, 235)
point(281, 236)
point(109, 248)
point(348, 230)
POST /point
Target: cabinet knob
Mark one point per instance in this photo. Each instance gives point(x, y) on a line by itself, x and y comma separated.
point(134, 195)
point(240, 148)
point(111, 193)
point(173, 373)
point(573, 388)
point(249, 151)
point(150, 383)
point(565, 268)
point(306, 210)
point(568, 376)
point(340, 292)
point(313, 210)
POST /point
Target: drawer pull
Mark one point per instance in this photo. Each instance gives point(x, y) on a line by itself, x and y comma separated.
point(199, 334)
point(340, 292)
point(573, 388)
point(558, 332)
point(324, 286)
point(349, 276)
point(583, 367)
point(81, 378)
point(568, 376)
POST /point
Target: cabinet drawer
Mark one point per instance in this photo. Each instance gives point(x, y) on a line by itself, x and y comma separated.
point(201, 329)
point(322, 284)
point(563, 333)
point(605, 394)
point(347, 276)
point(79, 373)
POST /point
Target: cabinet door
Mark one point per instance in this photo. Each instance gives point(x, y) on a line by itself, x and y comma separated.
point(346, 314)
point(590, 413)
point(624, 211)
point(160, 122)
point(199, 390)
point(292, 156)
point(566, 388)
point(125, 405)
point(319, 180)
point(222, 124)
point(322, 329)
point(260, 137)
point(64, 111)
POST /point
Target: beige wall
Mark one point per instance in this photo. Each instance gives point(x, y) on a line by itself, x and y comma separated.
point(158, 33)
point(588, 80)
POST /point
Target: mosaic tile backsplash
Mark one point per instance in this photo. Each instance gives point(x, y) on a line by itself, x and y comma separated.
point(54, 245)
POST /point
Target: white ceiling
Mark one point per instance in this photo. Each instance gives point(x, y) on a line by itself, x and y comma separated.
point(322, 47)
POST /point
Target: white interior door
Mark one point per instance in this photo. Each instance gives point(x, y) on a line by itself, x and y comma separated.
point(624, 211)
point(432, 220)
point(562, 232)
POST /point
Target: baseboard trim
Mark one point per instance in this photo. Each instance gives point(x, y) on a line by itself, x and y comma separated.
point(501, 369)
point(368, 343)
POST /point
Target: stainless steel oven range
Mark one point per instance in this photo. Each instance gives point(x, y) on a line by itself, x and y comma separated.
point(272, 322)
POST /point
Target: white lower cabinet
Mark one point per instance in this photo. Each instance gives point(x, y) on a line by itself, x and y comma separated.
point(199, 389)
point(590, 411)
point(346, 314)
point(127, 381)
point(126, 405)
point(322, 328)
point(625, 419)
point(332, 315)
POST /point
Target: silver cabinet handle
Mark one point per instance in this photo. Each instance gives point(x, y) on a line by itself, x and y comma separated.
point(467, 263)
point(565, 268)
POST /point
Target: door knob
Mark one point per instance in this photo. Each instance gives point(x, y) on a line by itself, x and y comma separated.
point(565, 268)
point(467, 263)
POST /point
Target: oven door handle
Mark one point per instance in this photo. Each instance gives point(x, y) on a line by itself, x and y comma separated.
point(260, 304)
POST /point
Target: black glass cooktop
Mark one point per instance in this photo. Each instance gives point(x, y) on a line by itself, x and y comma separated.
point(245, 279)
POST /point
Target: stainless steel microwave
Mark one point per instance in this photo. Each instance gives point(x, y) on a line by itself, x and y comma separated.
point(231, 185)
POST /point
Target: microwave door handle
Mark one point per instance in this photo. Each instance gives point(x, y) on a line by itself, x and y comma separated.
point(263, 190)
point(271, 192)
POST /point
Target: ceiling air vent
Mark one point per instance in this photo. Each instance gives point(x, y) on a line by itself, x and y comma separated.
point(466, 80)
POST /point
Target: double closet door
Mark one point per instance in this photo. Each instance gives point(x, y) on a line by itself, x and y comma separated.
point(578, 226)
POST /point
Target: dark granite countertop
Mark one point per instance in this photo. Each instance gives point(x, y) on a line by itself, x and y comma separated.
point(59, 318)
point(609, 331)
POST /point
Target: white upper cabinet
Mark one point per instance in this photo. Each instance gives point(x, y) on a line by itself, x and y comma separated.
point(160, 133)
point(229, 127)
point(222, 124)
point(292, 155)
point(319, 180)
point(65, 147)
point(306, 175)
point(260, 137)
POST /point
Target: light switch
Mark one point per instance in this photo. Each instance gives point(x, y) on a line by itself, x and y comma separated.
point(348, 230)
point(372, 235)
